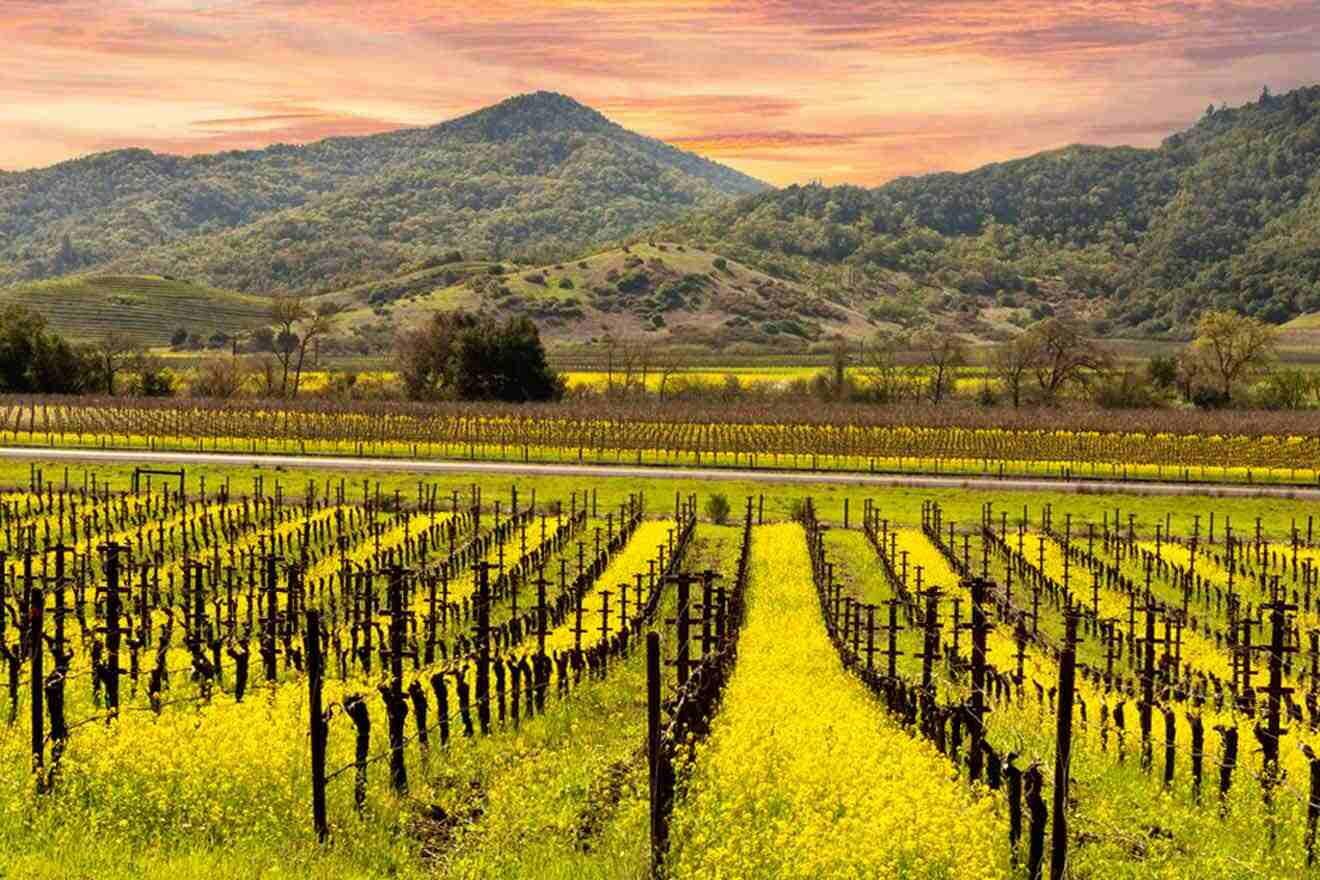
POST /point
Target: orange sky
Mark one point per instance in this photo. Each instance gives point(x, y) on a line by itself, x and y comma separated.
point(786, 90)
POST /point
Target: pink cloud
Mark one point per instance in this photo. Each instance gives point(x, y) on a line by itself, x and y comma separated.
point(778, 87)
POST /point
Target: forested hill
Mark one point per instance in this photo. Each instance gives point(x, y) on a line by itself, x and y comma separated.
point(1226, 213)
point(535, 172)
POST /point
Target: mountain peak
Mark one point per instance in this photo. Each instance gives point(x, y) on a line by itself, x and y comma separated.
point(536, 111)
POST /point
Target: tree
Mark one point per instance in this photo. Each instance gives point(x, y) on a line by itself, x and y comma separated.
point(1013, 361)
point(717, 508)
point(296, 327)
point(34, 360)
point(886, 380)
point(1162, 370)
point(114, 353)
point(67, 258)
point(219, 377)
point(154, 379)
point(941, 354)
point(1065, 356)
point(462, 356)
point(1230, 348)
point(425, 356)
point(505, 362)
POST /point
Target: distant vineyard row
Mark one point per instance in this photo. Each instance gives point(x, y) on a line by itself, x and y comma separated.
point(1254, 447)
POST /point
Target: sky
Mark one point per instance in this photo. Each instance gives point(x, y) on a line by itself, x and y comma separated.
point(785, 90)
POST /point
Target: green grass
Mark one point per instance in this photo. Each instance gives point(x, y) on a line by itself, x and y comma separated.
point(148, 308)
point(901, 505)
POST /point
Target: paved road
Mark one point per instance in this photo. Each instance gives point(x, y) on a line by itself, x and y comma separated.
point(421, 466)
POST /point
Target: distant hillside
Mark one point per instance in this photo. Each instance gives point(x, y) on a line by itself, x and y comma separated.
point(150, 309)
point(536, 171)
point(659, 291)
point(1224, 214)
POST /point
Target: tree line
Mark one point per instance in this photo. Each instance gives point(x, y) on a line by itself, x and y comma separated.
point(450, 356)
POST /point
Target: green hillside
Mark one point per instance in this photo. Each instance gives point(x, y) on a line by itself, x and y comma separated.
point(148, 308)
point(650, 290)
point(1226, 214)
point(535, 172)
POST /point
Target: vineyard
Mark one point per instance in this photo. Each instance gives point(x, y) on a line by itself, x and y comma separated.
point(1136, 445)
point(329, 679)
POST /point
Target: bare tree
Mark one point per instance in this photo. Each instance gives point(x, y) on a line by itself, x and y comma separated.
point(941, 354)
point(219, 377)
point(887, 381)
point(114, 353)
point(297, 326)
point(1065, 356)
point(1013, 361)
point(1231, 347)
point(667, 365)
point(321, 323)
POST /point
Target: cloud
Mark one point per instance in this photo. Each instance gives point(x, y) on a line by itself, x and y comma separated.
point(866, 88)
point(747, 142)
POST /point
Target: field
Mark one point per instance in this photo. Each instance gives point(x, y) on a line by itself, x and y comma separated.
point(863, 658)
point(1212, 447)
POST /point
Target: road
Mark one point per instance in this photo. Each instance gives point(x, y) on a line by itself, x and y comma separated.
point(421, 466)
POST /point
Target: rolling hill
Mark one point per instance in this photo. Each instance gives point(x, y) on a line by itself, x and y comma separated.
point(538, 171)
point(149, 309)
point(650, 290)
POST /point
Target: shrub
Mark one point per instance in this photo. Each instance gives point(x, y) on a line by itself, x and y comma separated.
point(717, 508)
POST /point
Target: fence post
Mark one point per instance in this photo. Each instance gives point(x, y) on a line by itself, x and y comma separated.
point(316, 721)
point(1063, 746)
point(1313, 804)
point(396, 709)
point(356, 709)
point(980, 627)
point(35, 654)
point(1014, 777)
point(112, 628)
point(684, 648)
point(661, 773)
point(483, 645)
point(1033, 781)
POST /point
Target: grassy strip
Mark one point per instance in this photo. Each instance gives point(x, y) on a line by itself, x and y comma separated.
point(804, 775)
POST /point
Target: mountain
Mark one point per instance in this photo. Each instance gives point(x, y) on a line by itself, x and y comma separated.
point(538, 172)
point(1226, 214)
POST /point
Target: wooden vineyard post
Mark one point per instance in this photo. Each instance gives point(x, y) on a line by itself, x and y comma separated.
point(1032, 783)
point(113, 630)
point(396, 708)
point(268, 623)
point(36, 652)
point(980, 628)
point(892, 653)
point(661, 772)
point(541, 612)
point(1312, 804)
point(1063, 745)
point(483, 643)
point(1147, 685)
point(931, 648)
point(1013, 775)
point(1275, 692)
point(316, 721)
point(683, 649)
point(356, 709)
point(1198, 755)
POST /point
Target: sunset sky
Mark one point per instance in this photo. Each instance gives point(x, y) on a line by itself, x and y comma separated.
point(786, 90)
